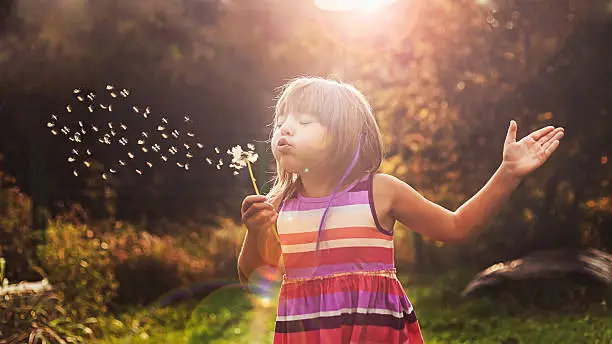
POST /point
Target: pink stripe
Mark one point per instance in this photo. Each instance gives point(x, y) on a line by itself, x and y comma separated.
point(354, 334)
point(344, 299)
point(348, 198)
point(338, 256)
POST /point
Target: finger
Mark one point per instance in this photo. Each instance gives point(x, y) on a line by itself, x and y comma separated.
point(262, 219)
point(246, 203)
point(551, 148)
point(511, 135)
point(550, 136)
point(550, 142)
point(255, 208)
point(536, 135)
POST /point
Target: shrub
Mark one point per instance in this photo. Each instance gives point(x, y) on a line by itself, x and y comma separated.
point(147, 266)
point(15, 232)
point(78, 265)
point(36, 315)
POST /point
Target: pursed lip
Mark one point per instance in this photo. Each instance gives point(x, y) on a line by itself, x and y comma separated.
point(283, 145)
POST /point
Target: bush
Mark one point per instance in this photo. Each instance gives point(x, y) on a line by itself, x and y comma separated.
point(147, 266)
point(16, 234)
point(36, 315)
point(78, 265)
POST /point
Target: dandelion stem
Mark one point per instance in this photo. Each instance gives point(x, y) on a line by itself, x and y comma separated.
point(257, 191)
point(252, 177)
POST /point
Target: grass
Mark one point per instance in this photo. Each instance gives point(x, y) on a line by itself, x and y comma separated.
point(546, 312)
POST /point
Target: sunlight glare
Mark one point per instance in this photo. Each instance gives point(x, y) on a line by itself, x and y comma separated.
point(352, 5)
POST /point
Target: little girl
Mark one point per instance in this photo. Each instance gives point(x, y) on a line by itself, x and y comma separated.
point(334, 216)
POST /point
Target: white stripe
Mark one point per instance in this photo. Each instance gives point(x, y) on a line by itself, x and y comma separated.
point(341, 311)
point(355, 215)
point(338, 243)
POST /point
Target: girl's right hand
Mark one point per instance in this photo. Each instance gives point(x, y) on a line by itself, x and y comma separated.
point(257, 214)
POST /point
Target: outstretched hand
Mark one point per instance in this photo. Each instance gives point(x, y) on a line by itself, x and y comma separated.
point(524, 156)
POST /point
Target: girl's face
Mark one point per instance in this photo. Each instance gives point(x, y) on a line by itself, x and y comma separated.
point(299, 142)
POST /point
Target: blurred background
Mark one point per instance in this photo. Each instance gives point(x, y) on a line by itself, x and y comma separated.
point(103, 241)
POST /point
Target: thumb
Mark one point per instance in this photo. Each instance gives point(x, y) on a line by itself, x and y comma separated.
point(511, 135)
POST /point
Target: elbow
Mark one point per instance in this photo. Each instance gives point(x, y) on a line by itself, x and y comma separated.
point(242, 277)
point(457, 231)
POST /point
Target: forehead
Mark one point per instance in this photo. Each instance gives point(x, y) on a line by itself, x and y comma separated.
point(293, 114)
point(305, 99)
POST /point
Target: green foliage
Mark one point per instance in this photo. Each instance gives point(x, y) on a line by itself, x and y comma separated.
point(16, 233)
point(145, 325)
point(79, 266)
point(148, 266)
point(38, 316)
point(508, 316)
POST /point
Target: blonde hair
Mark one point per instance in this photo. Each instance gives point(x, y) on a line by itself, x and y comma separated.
point(345, 113)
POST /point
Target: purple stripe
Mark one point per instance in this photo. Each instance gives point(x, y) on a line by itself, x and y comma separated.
point(317, 324)
point(348, 198)
point(323, 270)
point(343, 299)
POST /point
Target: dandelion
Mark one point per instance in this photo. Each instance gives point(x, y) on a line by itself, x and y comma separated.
point(240, 159)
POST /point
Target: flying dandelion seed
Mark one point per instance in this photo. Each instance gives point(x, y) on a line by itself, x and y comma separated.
point(106, 137)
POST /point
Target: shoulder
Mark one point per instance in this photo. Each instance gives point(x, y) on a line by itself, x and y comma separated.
point(383, 190)
point(385, 184)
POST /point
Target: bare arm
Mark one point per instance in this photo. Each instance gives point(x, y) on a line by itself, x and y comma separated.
point(260, 249)
point(436, 222)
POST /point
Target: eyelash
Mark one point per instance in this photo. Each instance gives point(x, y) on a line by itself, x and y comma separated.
point(278, 125)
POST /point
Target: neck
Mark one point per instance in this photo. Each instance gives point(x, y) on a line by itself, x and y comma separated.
point(322, 184)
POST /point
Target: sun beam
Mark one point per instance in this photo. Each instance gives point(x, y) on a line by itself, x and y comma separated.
point(352, 5)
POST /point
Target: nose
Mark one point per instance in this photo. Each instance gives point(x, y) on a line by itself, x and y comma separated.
point(286, 129)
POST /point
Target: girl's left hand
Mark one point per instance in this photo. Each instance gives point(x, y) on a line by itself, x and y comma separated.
point(522, 157)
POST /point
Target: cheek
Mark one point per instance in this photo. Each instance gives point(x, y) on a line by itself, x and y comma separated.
point(321, 143)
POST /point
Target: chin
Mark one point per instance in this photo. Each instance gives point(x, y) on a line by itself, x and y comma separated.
point(292, 169)
point(288, 165)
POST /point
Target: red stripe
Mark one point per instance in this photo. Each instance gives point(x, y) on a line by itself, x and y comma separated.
point(354, 334)
point(334, 233)
point(342, 283)
point(338, 256)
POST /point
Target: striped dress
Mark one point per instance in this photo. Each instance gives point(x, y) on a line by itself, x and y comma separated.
point(348, 292)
